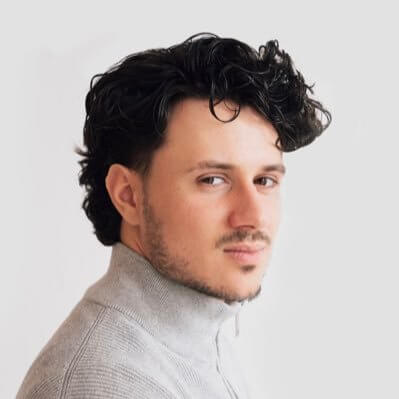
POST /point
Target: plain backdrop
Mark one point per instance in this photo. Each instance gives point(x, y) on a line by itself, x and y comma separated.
point(326, 325)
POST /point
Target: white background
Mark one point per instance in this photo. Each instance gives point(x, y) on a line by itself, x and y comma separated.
point(326, 325)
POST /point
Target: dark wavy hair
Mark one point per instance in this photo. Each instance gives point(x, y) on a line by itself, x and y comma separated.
point(127, 107)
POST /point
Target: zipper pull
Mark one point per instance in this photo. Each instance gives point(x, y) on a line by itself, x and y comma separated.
point(237, 319)
point(237, 325)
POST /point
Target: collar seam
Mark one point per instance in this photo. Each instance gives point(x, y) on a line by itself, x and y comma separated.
point(131, 316)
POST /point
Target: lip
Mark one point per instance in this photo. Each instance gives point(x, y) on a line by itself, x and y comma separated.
point(244, 248)
point(244, 253)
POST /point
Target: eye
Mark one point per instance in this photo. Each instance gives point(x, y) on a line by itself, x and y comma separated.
point(273, 182)
point(210, 178)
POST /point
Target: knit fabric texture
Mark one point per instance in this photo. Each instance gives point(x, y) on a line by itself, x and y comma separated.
point(137, 334)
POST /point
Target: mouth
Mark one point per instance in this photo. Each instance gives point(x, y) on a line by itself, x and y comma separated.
point(245, 253)
point(245, 248)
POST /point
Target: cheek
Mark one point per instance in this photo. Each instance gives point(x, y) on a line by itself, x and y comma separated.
point(275, 214)
point(190, 224)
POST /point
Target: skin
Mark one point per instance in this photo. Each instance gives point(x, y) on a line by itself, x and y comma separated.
point(181, 218)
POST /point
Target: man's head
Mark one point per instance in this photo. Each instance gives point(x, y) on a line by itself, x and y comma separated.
point(184, 158)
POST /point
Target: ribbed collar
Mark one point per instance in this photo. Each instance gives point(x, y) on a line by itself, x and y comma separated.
point(181, 318)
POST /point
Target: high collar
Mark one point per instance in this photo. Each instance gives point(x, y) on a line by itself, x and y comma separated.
point(181, 318)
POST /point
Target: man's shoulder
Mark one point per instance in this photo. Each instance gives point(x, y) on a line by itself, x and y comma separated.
point(97, 381)
point(96, 352)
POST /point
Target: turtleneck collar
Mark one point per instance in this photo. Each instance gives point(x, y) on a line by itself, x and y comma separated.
point(181, 318)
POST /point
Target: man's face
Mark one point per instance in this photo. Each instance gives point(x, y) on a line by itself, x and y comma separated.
point(195, 213)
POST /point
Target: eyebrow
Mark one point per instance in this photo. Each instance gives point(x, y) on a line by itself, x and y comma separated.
point(211, 164)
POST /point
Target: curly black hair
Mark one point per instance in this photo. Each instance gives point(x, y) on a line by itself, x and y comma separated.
point(127, 107)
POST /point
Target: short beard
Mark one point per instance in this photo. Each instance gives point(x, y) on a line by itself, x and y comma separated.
point(176, 268)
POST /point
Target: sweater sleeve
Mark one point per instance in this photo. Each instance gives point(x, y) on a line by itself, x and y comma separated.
point(98, 383)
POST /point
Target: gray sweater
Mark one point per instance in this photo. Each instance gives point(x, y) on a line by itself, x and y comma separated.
point(136, 334)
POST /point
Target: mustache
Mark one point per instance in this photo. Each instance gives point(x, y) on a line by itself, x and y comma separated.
point(241, 236)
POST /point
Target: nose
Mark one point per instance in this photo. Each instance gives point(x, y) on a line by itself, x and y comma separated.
point(248, 208)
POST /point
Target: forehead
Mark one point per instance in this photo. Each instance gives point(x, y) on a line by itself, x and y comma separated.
point(194, 134)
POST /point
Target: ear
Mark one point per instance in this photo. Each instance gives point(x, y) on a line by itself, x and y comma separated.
point(124, 187)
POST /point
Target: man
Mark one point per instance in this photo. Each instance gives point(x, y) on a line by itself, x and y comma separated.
point(183, 170)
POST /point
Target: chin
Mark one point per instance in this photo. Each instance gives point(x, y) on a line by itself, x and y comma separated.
point(245, 291)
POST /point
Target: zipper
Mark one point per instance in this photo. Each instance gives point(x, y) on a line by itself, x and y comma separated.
point(230, 389)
